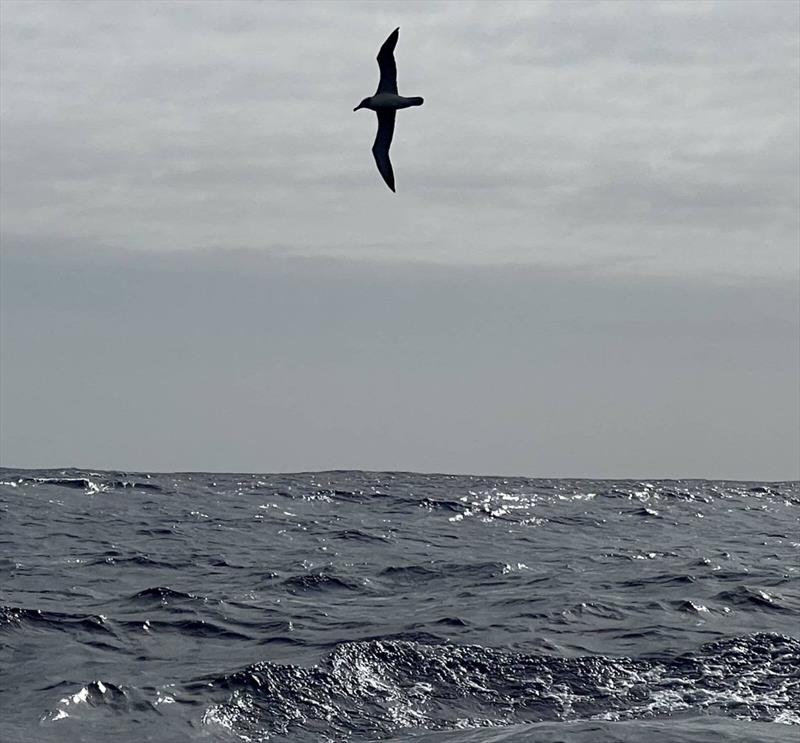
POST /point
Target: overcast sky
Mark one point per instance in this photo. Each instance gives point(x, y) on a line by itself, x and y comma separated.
point(590, 267)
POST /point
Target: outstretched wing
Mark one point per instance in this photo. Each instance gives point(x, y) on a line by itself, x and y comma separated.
point(388, 83)
point(383, 140)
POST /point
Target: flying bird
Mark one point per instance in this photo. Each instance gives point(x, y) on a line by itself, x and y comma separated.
point(385, 103)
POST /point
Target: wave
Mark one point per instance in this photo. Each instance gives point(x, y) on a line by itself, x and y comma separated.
point(102, 696)
point(471, 694)
point(320, 582)
point(380, 687)
point(162, 596)
point(14, 617)
point(90, 483)
point(753, 598)
point(432, 571)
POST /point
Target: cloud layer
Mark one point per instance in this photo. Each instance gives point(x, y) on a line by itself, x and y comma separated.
point(659, 137)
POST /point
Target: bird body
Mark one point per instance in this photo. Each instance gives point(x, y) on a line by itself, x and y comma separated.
point(385, 103)
point(389, 101)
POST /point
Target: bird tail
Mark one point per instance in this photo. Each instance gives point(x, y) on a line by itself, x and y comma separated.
point(417, 101)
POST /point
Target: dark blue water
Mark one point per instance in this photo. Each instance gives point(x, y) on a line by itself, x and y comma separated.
point(372, 606)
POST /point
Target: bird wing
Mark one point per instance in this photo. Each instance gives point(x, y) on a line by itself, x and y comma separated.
point(383, 140)
point(388, 82)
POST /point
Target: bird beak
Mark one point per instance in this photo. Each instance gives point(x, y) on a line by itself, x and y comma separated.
point(360, 105)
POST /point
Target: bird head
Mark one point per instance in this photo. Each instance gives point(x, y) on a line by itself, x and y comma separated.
point(363, 104)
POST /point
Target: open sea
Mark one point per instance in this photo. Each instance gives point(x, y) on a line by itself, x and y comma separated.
point(364, 606)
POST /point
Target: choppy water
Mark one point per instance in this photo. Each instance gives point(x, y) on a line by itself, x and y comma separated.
point(368, 606)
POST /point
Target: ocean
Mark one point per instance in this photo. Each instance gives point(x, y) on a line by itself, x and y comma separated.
point(365, 606)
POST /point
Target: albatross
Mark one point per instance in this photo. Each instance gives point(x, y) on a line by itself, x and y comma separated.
point(385, 103)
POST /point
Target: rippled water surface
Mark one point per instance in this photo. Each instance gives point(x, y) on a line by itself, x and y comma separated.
point(355, 606)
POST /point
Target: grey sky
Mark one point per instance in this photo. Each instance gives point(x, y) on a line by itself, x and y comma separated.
point(590, 267)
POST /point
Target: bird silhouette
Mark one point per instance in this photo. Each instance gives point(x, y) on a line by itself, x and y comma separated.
point(385, 103)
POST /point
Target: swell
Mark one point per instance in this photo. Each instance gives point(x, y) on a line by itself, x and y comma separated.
point(381, 687)
point(88, 482)
point(15, 618)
